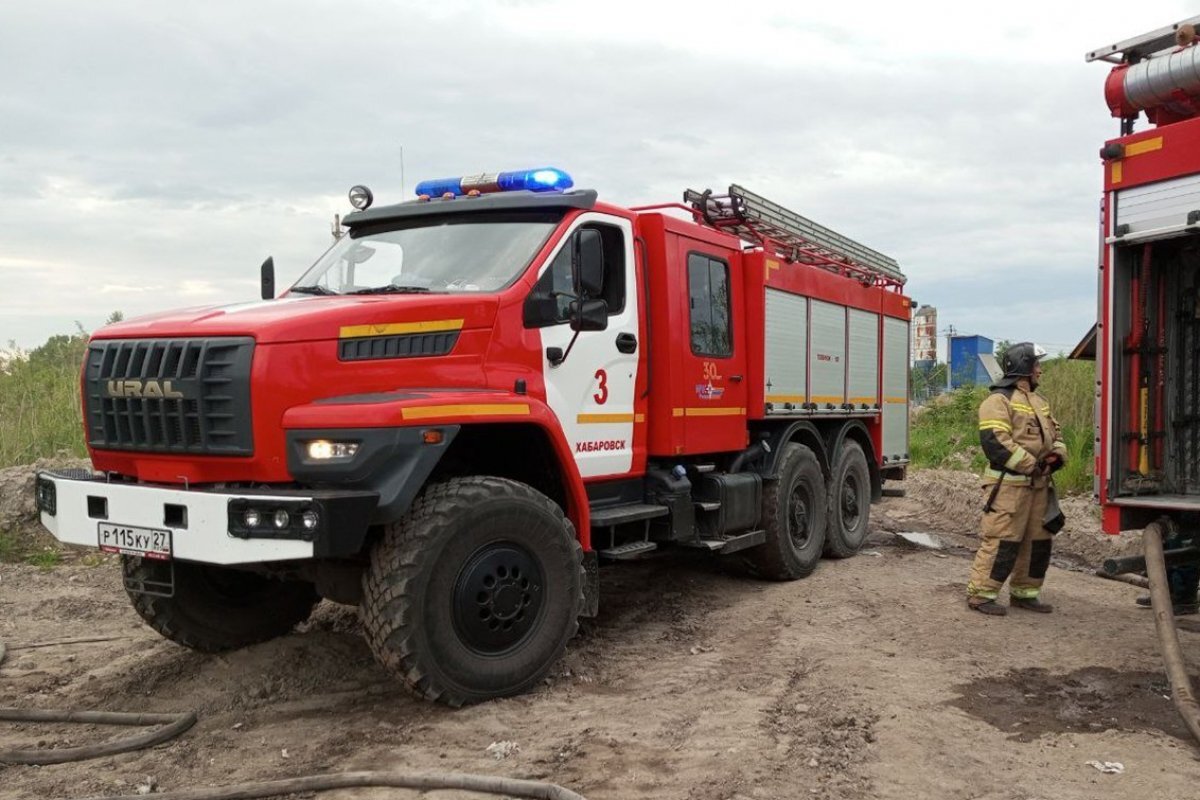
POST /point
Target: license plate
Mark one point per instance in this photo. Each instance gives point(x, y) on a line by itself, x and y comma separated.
point(133, 541)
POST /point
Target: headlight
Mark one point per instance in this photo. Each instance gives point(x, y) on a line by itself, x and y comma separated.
point(326, 450)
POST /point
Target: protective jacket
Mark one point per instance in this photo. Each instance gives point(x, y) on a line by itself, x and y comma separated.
point(1017, 430)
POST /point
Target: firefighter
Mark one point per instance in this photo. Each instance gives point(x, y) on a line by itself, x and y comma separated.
point(1023, 445)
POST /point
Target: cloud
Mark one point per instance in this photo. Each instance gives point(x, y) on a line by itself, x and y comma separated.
point(167, 149)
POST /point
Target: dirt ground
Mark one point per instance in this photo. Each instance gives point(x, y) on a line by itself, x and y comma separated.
point(869, 679)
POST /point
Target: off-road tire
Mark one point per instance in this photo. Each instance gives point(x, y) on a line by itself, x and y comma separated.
point(849, 502)
point(428, 609)
point(217, 608)
point(794, 517)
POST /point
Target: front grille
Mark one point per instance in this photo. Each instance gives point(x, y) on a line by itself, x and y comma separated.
point(170, 395)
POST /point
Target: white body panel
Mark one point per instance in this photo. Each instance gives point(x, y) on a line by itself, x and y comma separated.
point(827, 355)
point(206, 538)
point(1158, 209)
point(862, 381)
point(895, 390)
point(786, 350)
point(591, 392)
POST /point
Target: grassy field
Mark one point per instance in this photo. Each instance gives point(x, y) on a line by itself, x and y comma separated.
point(946, 432)
point(39, 402)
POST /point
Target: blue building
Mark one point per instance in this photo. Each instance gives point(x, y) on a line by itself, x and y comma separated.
point(966, 368)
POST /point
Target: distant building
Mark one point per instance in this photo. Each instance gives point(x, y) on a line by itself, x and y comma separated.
point(924, 335)
point(966, 366)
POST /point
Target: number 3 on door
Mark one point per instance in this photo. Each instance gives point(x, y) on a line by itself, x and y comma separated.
point(601, 397)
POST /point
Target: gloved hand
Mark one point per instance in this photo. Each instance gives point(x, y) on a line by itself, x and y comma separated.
point(1050, 463)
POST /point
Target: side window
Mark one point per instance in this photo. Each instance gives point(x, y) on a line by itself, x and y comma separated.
point(708, 295)
point(549, 302)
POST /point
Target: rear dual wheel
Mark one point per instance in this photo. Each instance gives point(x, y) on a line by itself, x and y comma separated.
point(849, 502)
point(794, 518)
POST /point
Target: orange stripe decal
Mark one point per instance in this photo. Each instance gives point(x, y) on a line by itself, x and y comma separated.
point(713, 412)
point(1144, 146)
point(467, 410)
point(395, 328)
point(601, 419)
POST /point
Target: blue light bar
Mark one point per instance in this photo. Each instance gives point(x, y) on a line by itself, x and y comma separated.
point(545, 179)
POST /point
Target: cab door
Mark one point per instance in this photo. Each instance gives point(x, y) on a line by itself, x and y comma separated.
point(592, 388)
point(714, 359)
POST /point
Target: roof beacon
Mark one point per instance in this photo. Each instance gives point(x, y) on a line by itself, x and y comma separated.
point(545, 179)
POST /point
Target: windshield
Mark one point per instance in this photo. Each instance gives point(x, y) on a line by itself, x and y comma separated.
point(463, 253)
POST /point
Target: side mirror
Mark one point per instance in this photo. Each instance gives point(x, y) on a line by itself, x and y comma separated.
point(589, 315)
point(268, 278)
point(587, 259)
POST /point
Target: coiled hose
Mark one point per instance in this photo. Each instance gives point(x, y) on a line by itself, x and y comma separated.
point(1168, 637)
point(175, 724)
point(172, 726)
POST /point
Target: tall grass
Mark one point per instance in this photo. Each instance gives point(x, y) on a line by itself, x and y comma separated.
point(40, 412)
point(945, 433)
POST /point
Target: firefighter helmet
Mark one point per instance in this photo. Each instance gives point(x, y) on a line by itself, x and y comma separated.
point(1019, 359)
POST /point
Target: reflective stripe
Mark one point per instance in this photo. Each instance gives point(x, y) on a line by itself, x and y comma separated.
point(1016, 458)
point(1009, 478)
point(995, 425)
point(1023, 407)
point(1024, 592)
point(977, 591)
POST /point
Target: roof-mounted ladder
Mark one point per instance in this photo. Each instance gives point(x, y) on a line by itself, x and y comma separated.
point(1139, 47)
point(757, 220)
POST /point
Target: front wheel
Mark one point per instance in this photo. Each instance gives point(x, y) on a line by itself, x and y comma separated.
point(216, 608)
point(794, 518)
point(475, 593)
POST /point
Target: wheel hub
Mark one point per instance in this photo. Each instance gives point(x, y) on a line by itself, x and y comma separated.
point(798, 516)
point(850, 502)
point(497, 598)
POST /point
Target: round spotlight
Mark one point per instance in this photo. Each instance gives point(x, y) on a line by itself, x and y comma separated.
point(252, 518)
point(281, 519)
point(309, 520)
point(361, 197)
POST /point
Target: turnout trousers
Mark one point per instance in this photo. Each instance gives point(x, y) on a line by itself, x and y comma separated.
point(1012, 544)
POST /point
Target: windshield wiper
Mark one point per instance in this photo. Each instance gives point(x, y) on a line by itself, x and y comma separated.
point(391, 288)
point(315, 289)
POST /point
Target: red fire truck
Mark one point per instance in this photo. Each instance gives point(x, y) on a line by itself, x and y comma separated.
point(475, 397)
point(1147, 339)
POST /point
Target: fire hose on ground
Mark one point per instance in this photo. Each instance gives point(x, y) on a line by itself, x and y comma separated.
point(1154, 562)
point(1168, 637)
point(173, 725)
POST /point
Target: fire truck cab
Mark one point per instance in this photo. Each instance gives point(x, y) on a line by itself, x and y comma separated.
point(476, 397)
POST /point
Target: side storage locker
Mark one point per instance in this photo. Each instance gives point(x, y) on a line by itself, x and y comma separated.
point(862, 382)
point(895, 390)
point(786, 351)
point(827, 356)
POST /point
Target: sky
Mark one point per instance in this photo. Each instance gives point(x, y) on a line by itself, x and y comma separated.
point(153, 154)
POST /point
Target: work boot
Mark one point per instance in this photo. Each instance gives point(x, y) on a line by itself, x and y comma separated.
point(1030, 604)
point(1182, 609)
point(989, 607)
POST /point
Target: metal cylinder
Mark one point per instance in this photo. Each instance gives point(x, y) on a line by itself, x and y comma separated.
point(1160, 82)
